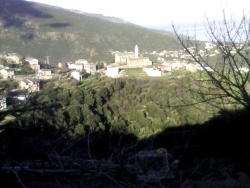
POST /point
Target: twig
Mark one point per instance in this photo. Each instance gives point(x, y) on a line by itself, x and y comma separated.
point(112, 179)
point(18, 179)
point(44, 171)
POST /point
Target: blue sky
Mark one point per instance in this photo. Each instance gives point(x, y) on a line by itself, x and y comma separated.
point(157, 13)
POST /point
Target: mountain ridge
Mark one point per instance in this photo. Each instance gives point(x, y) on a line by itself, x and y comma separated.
point(40, 30)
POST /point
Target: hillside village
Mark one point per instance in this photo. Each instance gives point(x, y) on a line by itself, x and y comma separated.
point(167, 62)
point(88, 100)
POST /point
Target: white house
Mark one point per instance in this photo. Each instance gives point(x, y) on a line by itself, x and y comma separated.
point(79, 67)
point(34, 64)
point(71, 66)
point(31, 85)
point(81, 61)
point(112, 71)
point(209, 69)
point(31, 60)
point(166, 67)
point(152, 72)
point(244, 69)
point(77, 75)
point(7, 73)
point(62, 65)
point(176, 65)
point(76, 66)
point(192, 67)
point(209, 45)
point(90, 68)
point(13, 58)
point(44, 72)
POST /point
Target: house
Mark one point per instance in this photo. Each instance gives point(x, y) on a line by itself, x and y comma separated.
point(209, 45)
point(208, 69)
point(3, 104)
point(13, 58)
point(79, 67)
point(166, 67)
point(71, 66)
point(81, 61)
point(62, 65)
point(112, 71)
point(176, 65)
point(7, 73)
point(152, 72)
point(44, 72)
point(31, 60)
point(77, 75)
point(33, 63)
point(31, 85)
point(244, 69)
point(90, 68)
point(192, 67)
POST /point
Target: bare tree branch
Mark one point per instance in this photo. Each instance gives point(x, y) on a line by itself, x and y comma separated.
point(230, 70)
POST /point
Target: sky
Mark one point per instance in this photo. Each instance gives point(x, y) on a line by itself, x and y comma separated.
point(157, 13)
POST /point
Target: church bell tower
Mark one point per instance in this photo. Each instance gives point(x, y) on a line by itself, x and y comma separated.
point(136, 51)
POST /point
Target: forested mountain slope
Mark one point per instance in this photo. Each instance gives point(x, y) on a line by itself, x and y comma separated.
point(39, 30)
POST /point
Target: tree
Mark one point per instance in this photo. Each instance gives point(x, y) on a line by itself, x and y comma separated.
point(227, 73)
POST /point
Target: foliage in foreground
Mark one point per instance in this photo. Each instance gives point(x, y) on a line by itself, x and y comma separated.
point(196, 156)
point(91, 133)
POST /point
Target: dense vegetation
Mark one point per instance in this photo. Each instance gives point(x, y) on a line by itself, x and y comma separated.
point(141, 107)
point(111, 120)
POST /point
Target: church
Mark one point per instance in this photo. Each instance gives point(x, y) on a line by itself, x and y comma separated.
point(132, 59)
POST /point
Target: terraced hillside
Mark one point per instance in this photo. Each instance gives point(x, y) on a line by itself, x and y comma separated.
point(135, 72)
